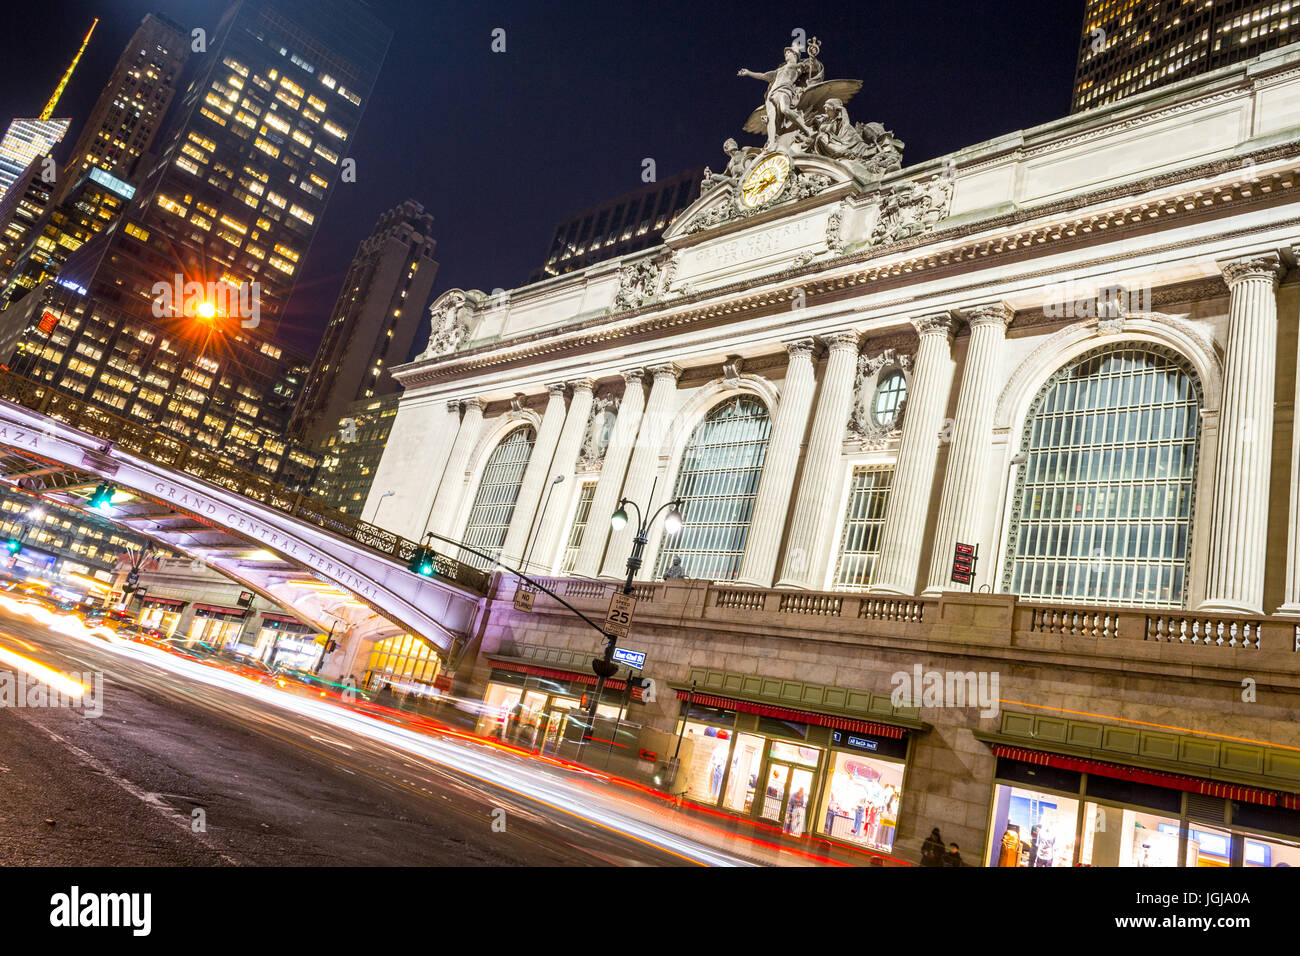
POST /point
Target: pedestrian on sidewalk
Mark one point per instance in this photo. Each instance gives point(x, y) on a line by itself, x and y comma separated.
point(932, 849)
point(953, 856)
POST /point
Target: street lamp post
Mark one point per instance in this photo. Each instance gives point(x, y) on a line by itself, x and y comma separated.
point(605, 667)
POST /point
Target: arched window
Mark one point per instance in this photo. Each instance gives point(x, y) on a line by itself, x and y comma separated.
point(717, 483)
point(494, 505)
point(1103, 505)
point(888, 400)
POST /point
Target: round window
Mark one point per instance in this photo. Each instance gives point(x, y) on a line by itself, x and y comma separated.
point(890, 393)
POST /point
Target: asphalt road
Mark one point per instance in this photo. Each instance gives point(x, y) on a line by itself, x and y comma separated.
point(275, 787)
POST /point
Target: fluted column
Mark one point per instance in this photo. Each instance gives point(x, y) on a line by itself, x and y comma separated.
point(901, 538)
point(641, 471)
point(442, 519)
point(963, 496)
point(810, 526)
point(536, 474)
point(546, 530)
point(604, 502)
point(758, 565)
point(1243, 458)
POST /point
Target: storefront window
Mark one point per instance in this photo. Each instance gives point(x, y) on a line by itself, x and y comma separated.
point(708, 766)
point(405, 662)
point(742, 782)
point(1030, 828)
point(861, 803)
point(1117, 836)
point(1267, 851)
point(214, 630)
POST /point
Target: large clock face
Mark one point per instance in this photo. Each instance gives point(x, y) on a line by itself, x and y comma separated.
point(765, 180)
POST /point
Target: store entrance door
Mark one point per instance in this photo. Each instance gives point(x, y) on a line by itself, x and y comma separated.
point(786, 796)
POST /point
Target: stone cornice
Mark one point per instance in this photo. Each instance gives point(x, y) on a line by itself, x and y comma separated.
point(737, 298)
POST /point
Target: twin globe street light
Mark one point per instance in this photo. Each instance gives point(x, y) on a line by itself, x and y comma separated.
point(605, 667)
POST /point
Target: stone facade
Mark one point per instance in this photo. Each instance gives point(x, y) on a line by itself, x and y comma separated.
point(989, 275)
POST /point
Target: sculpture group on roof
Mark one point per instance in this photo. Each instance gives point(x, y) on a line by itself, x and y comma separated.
point(803, 114)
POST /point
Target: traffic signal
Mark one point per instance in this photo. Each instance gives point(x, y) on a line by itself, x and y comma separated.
point(102, 499)
point(422, 562)
point(13, 545)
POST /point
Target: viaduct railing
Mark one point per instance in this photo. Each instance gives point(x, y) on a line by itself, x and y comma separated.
point(172, 452)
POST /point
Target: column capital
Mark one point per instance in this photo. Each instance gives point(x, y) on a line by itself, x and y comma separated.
point(557, 389)
point(1267, 265)
point(583, 384)
point(476, 402)
point(936, 323)
point(669, 370)
point(453, 406)
point(989, 313)
point(633, 376)
point(799, 348)
point(843, 340)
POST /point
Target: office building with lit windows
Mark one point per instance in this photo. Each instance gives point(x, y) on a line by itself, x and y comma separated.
point(128, 114)
point(373, 324)
point(1129, 46)
point(632, 221)
point(28, 140)
point(350, 453)
point(259, 140)
point(988, 479)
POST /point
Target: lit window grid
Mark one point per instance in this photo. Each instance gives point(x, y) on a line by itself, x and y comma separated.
point(717, 485)
point(585, 495)
point(1104, 504)
point(402, 658)
point(494, 503)
point(864, 520)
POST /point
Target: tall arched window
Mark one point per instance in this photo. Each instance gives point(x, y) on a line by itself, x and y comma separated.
point(717, 483)
point(1103, 504)
point(494, 505)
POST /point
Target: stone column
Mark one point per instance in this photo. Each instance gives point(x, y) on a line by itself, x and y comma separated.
point(963, 498)
point(810, 526)
point(547, 528)
point(536, 475)
point(641, 470)
point(1242, 464)
point(758, 565)
point(446, 504)
point(1292, 596)
point(918, 448)
point(612, 470)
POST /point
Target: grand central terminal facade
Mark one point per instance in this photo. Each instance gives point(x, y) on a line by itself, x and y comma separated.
point(987, 467)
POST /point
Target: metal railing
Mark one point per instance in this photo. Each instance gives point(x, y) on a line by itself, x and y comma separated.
point(172, 452)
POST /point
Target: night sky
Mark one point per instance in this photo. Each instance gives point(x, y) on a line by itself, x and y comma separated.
point(498, 146)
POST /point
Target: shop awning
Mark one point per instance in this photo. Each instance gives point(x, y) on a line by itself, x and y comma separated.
point(576, 677)
point(218, 609)
point(786, 713)
point(163, 602)
point(285, 619)
point(1155, 778)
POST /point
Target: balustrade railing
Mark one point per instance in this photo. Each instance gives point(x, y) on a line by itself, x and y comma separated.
point(1074, 622)
point(892, 609)
point(828, 605)
point(168, 451)
point(1204, 629)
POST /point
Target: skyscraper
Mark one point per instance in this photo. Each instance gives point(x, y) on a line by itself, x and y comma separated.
point(261, 137)
point(374, 320)
point(1128, 46)
point(615, 227)
point(125, 119)
point(27, 140)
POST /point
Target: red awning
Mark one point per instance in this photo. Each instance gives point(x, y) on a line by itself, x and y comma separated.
point(551, 673)
point(1156, 778)
point(218, 609)
point(165, 602)
point(802, 716)
point(281, 618)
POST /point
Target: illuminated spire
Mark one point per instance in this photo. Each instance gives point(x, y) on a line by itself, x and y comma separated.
point(58, 90)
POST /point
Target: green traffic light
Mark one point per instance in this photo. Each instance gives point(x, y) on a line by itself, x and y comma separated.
point(13, 545)
point(102, 498)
